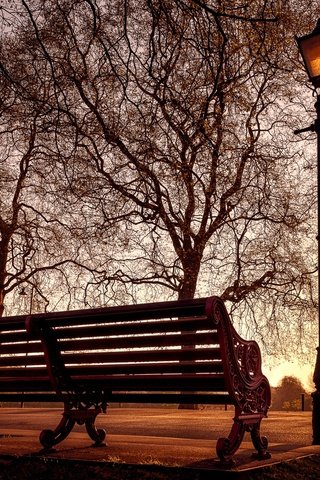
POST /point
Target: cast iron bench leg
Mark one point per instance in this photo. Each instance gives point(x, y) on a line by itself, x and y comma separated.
point(96, 434)
point(260, 443)
point(226, 447)
point(49, 438)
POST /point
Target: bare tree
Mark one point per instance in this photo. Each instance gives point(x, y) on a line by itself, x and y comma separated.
point(172, 119)
point(41, 245)
point(29, 238)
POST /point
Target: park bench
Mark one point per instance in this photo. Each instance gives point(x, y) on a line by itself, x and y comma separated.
point(178, 352)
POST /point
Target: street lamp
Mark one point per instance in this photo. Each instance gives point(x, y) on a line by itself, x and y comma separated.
point(309, 46)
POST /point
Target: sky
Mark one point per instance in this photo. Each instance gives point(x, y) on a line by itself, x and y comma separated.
point(303, 372)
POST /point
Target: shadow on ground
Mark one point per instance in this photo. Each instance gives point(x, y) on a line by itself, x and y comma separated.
point(26, 468)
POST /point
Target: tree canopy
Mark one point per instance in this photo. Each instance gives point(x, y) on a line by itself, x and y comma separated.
point(164, 156)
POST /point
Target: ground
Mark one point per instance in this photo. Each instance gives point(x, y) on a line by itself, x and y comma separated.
point(152, 443)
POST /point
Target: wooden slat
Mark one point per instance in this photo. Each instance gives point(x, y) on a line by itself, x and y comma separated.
point(17, 336)
point(114, 343)
point(120, 369)
point(149, 368)
point(14, 348)
point(148, 341)
point(29, 397)
point(132, 356)
point(132, 328)
point(171, 309)
point(134, 384)
point(22, 360)
point(117, 397)
point(23, 371)
point(190, 354)
point(201, 382)
point(25, 384)
point(13, 323)
point(174, 309)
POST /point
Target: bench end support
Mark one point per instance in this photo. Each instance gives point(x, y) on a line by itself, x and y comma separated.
point(226, 447)
point(50, 438)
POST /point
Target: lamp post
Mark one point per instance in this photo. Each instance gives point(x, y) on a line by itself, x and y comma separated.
point(309, 46)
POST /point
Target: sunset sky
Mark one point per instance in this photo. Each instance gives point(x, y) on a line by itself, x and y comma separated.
point(303, 372)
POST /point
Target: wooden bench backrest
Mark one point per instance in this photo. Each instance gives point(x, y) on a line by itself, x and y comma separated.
point(22, 364)
point(167, 347)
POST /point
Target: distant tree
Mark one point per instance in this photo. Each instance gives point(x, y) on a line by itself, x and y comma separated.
point(287, 395)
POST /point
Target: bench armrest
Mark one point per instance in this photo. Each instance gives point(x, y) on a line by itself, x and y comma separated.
point(243, 374)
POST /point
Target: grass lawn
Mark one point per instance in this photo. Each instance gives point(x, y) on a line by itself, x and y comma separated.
point(41, 469)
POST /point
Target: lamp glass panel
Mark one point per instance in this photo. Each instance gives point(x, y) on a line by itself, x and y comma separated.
point(310, 48)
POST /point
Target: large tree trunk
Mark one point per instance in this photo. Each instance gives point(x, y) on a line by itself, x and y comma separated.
point(187, 291)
